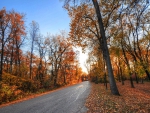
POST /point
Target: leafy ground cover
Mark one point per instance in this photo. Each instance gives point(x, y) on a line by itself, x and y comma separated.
point(132, 100)
point(15, 89)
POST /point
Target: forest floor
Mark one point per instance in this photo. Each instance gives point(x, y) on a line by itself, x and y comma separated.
point(131, 100)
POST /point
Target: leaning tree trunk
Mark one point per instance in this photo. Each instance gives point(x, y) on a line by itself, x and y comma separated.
point(113, 85)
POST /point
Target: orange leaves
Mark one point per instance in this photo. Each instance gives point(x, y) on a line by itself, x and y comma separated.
point(17, 22)
point(82, 24)
point(131, 99)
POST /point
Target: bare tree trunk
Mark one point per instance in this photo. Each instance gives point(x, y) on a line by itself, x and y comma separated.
point(33, 33)
point(2, 55)
point(18, 57)
point(121, 75)
point(131, 81)
point(1, 63)
point(147, 73)
point(11, 59)
point(127, 63)
point(105, 80)
point(118, 73)
point(122, 79)
point(113, 85)
point(142, 81)
point(31, 57)
point(7, 63)
point(64, 75)
point(136, 77)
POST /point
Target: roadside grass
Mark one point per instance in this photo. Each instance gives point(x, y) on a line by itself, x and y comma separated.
point(132, 100)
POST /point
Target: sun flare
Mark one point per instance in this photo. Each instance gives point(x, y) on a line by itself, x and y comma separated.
point(82, 59)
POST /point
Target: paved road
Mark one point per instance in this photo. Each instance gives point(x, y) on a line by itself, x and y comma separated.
point(66, 100)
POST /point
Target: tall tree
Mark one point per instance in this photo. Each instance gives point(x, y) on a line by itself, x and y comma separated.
point(104, 47)
point(105, 50)
point(11, 27)
point(18, 37)
point(57, 48)
point(42, 50)
point(34, 29)
point(4, 25)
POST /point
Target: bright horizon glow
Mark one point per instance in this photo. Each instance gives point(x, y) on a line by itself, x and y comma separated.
point(82, 59)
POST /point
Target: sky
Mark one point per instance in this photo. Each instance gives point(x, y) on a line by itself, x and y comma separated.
point(49, 14)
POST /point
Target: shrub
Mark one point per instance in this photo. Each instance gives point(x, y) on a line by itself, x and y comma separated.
point(7, 93)
point(29, 86)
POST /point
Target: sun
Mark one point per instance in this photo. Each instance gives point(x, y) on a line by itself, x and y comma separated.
point(82, 58)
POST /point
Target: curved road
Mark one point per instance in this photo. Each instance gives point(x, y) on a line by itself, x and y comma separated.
point(66, 100)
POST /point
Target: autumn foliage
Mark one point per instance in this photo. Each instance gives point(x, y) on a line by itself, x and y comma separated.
point(33, 63)
point(131, 100)
point(116, 36)
point(127, 32)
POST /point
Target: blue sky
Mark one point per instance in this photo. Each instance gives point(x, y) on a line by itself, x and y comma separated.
point(50, 14)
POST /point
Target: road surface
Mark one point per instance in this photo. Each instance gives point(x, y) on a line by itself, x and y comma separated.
point(66, 100)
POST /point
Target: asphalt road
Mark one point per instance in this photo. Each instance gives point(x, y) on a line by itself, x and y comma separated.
point(66, 100)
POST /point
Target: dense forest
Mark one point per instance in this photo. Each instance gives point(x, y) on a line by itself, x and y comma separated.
point(114, 33)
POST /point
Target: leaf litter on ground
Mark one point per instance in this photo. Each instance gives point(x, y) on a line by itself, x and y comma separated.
point(131, 100)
